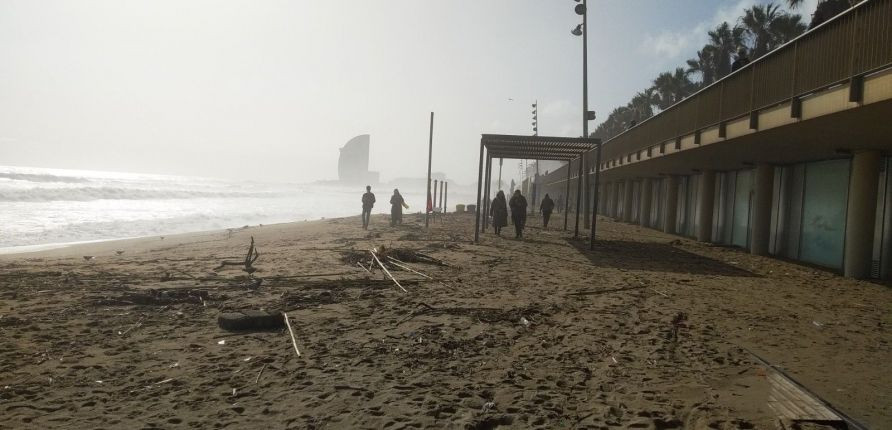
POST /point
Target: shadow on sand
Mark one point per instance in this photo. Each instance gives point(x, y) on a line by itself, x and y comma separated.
point(655, 257)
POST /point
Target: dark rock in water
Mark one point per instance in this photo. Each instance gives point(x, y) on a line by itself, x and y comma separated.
point(250, 320)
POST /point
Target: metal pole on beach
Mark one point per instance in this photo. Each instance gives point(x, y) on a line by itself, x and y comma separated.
point(434, 197)
point(479, 185)
point(567, 196)
point(445, 196)
point(597, 184)
point(430, 153)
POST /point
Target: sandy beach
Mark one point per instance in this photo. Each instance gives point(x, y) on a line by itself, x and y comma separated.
point(648, 331)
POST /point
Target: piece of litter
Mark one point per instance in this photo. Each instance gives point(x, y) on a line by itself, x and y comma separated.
point(164, 381)
point(525, 322)
point(817, 324)
point(487, 406)
point(233, 391)
point(248, 359)
point(222, 342)
point(98, 382)
point(614, 359)
point(177, 364)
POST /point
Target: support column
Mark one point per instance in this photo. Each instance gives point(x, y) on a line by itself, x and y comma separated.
point(861, 214)
point(614, 200)
point(671, 204)
point(706, 205)
point(644, 205)
point(627, 200)
point(763, 186)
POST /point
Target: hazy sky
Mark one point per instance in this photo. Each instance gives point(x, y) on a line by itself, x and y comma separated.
point(271, 89)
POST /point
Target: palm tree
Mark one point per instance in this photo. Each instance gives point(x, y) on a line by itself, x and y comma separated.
point(768, 27)
point(757, 22)
point(825, 9)
point(726, 41)
point(642, 105)
point(784, 29)
point(671, 88)
point(704, 65)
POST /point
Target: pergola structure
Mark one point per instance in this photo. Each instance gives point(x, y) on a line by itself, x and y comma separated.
point(531, 148)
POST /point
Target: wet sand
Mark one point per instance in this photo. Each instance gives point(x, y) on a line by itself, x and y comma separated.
point(648, 331)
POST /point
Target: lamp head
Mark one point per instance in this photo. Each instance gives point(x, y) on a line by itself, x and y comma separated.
point(577, 31)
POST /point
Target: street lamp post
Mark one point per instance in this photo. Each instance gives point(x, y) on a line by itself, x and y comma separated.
point(582, 30)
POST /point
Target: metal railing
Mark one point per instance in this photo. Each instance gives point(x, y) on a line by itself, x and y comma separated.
point(844, 48)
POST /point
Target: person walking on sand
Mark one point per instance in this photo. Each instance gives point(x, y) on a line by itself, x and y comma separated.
point(499, 211)
point(518, 206)
point(368, 202)
point(546, 207)
point(396, 208)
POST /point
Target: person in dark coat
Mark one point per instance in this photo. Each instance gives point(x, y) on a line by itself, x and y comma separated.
point(499, 211)
point(518, 206)
point(742, 60)
point(368, 202)
point(546, 207)
point(396, 208)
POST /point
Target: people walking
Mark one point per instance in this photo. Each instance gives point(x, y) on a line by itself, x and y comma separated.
point(396, 208)
point(518, 206)
point(547, 206)
point(499, 211)
point(742, 60)
point(368, 202)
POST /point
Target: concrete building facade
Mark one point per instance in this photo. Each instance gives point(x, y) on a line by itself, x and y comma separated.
point(787, 157)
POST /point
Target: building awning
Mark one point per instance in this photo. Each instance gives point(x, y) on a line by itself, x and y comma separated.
point(536, 147)
point(495, 146)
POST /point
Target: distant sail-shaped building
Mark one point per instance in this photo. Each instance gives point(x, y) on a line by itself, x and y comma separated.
point(353, 163)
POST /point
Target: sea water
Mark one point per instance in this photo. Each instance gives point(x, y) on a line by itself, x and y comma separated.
point(41, 206)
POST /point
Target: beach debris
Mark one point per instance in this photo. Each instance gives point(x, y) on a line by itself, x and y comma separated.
point(119, 252)
point(817, 324)
point(660, 292)
point(372, 251)
point(88, 257)
point(250, 320)
point(403, 266)
point(524, 322)
point(250, 258)
point(259, 374)
point(488, 406)
point(678, 321)
point(137, 325)
point(291, 332)
point(596, 292)
point(363, 268)
point(222, 342)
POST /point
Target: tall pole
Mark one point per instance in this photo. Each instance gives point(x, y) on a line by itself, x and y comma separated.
point(579, 191)
point(445, 196)
point(584, 180)
point(595, 211)
point(442, 187)
point(434, 197)
point(567, 196)
point(430, 153)
point(479, 185)
point(487, 177)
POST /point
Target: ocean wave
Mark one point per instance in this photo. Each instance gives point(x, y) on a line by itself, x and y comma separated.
point(114, 193)
point(43, 177)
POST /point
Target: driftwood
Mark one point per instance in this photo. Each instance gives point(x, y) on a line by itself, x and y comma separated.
point(596, 292)
point(387, 271)
point(256, 380)
point(396, 263)
point(363, 267)
point(250, 258)
point(290, 331)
